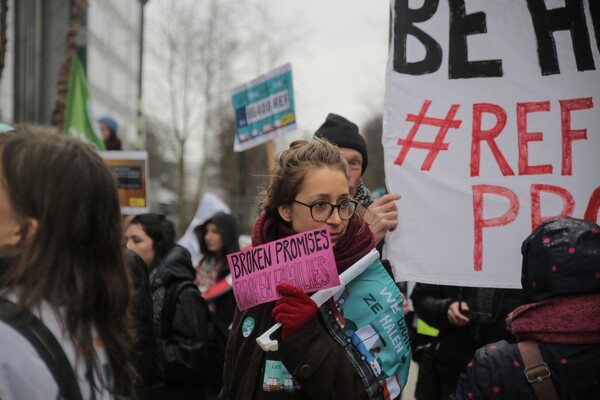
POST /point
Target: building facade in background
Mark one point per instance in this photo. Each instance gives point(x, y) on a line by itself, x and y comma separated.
point(108, 45)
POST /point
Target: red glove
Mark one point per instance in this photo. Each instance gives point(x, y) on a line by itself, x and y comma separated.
point(294, 310)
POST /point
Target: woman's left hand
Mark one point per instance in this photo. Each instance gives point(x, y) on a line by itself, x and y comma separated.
point(294, 310)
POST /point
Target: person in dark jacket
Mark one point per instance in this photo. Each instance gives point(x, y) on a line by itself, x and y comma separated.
point(467, 319)
point(561, 281)
point(316, 357)
point(60, 227)
point(218, 236)
point(146, 353)
point(382, 213)
point(152, 237)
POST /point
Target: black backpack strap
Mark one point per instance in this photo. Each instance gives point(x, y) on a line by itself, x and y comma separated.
point(46, 345)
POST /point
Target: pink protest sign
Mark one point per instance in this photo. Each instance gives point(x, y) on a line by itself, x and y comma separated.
point(304, 260)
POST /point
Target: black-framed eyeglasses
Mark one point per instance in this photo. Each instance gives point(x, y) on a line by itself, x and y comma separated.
point(321, 210)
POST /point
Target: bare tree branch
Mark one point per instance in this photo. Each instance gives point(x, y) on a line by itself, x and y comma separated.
point(198, 47)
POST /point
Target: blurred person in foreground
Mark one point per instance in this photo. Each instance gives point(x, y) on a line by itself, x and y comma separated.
point(558, 329)
point(60, 229)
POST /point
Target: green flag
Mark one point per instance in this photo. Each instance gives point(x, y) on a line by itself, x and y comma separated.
point(78, 120)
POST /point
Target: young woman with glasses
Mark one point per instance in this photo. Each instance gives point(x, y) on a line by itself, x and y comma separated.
point(307, 190)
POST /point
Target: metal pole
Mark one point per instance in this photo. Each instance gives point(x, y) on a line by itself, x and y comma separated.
point(141, 122)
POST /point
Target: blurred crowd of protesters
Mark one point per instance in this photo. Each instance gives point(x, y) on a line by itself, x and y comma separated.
point(82, 316)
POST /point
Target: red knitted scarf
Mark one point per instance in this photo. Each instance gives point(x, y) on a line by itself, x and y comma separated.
point(356, 242)
point(564, 319)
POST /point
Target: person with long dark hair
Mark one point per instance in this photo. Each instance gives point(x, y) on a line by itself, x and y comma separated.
point(218, 236)
point(178, 321)
point(60, 225)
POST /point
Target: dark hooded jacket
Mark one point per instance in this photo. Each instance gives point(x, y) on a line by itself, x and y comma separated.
point(457, 344)
point(146, 353)
point(561, 270)
point(182, 351)
point(222, 306)
point(318, 357)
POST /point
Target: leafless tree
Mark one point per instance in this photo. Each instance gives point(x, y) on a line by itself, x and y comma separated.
point(267, 42)
point(219, 46)
point(269, 39)
point(154, 143)
point(203, 47)
point(240, 175)
point(173, 31)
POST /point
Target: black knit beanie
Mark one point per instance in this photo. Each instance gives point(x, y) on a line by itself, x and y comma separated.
point(343, 133)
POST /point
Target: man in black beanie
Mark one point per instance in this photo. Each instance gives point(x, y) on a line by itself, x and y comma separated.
point(382, 214)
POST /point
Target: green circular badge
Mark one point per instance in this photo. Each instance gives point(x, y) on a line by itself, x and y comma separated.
point(247, 326)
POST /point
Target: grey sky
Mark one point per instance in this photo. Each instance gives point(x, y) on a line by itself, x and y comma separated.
point(341, 67)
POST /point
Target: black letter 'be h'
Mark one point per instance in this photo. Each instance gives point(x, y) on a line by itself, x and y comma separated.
point(572, 18)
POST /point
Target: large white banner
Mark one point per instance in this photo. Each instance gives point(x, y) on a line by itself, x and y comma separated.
point(491, 126)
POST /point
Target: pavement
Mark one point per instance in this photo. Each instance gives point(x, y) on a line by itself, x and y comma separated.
point(409, 391)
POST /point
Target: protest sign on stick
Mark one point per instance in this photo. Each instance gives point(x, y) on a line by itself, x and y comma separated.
point(304, 260)
point(264, 108)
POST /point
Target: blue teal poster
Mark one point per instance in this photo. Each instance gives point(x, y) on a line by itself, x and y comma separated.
point(264, 108)
point(369, 311)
